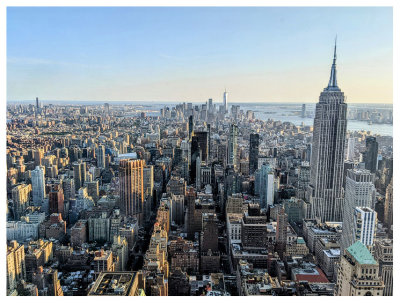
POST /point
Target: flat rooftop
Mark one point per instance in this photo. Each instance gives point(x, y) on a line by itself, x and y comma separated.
point(113, 284)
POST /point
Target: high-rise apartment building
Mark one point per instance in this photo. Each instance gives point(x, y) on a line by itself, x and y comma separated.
point(329, 137)
point(20, 196)
point(15, 265)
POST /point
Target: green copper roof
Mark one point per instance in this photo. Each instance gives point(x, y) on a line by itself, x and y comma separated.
point(361, 253)
point(300, 240)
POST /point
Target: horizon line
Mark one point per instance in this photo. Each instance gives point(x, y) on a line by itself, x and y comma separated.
point(182, 101)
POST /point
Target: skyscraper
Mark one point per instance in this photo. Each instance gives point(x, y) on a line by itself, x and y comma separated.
point(365, 223)
point(101, 156)
point(191, 127)
point(370, 156)
point(209, 143)
point(281, 232)
point(384, 256)
point(83, 172)
point(350, 149)
point(195, 153)
point(303, 111)
point(360, 192)
point(226, 101)
point(77, 175)
point(131, 188)
point(202, 139)
point(148, 181)
point(325, 192)
point(20, 197)
point(210, 105)
point(388, 213)
point(191, 206)
point(265, 185)
point(38, 156)
point(253, 153)
point(38, 185)
point(56, 200)
point(209, 236)
point(232, 145)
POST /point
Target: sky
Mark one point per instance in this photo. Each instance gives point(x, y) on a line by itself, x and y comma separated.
point(258, 54)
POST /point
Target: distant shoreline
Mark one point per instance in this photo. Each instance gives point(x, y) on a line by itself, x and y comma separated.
point(144, 103)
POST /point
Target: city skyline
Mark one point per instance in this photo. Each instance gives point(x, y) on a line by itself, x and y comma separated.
point(218, 198)
point(267, 54)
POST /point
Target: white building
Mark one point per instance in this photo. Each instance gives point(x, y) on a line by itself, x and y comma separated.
point(360, 192)
point(120, 249)
point(365, 223)
point(21, 231)
point(330, 257)
point(36, 217)
point(265, 185)
point(226, 101)
point(234, 228)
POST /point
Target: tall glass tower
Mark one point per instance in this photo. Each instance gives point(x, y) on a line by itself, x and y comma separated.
point(232, 145)
point(325, 192)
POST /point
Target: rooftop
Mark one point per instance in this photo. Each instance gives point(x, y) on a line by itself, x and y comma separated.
point(113, 284)
point(361, 253)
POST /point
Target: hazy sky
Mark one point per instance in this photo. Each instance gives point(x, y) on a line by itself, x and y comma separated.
point(192, 54)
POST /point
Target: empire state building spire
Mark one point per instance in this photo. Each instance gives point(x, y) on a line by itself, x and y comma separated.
point(325, 193)
point(332, 85)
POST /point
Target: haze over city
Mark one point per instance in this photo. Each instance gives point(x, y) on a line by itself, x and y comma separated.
point(191, 54)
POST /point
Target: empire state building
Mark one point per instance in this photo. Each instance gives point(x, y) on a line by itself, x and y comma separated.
point(325, 192)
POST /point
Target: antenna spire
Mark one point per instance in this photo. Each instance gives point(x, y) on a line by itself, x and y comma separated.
point(332, 85)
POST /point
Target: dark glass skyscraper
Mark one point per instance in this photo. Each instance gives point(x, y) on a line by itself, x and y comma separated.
point(202, 138)
point(191, 127)
point(253, 153)
point(195, 152)
point(232, 145)
point(325, 192)
point(370, 156)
